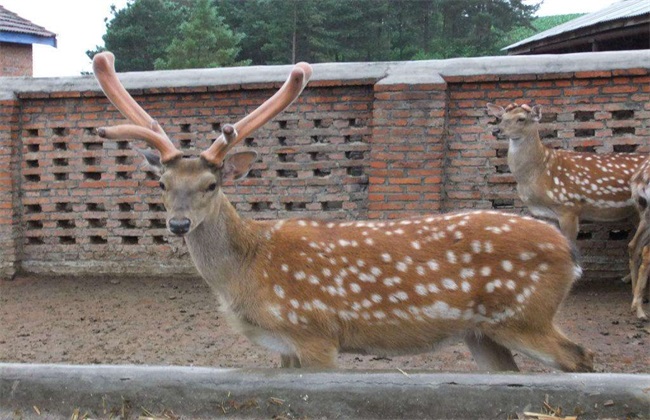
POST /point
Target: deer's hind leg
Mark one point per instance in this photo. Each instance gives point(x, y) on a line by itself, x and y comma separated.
point(289, 361)
point(316, 353)
point(641, 283)
point(634, 251)
point(569, 226)
point(549, 346)
point(489, 355)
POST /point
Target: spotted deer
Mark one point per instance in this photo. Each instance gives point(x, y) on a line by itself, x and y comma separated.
point(564, 185)
point(309, 289)
point(639, 247)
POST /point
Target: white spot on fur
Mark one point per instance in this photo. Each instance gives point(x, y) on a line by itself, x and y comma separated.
point(449, 284)
point(279, 291)
point(432, 288)
point(442, 310)
point(420, 289)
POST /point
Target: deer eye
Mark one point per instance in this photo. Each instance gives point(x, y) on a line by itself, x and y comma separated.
point(212, 186)
point(162, 186)
point(521, 118)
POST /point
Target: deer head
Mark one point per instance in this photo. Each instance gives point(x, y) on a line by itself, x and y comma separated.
point(515, 121)
point(189, 186)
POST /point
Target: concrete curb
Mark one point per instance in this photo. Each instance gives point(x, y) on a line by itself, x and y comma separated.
point(194, 392)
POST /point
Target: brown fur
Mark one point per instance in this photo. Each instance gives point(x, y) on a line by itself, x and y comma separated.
point(310, 289)
point(563, 185)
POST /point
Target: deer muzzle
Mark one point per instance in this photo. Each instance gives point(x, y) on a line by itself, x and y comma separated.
point(179, 225)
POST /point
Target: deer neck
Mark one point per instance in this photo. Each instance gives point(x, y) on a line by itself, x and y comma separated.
point(527, 157)
point(222, 246)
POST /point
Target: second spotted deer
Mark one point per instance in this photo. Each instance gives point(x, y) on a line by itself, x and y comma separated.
point(564, 185)
point(309, 289)
point(639, 247)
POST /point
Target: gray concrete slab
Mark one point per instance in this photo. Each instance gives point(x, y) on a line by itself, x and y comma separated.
point(344, 72)
point(57, 391)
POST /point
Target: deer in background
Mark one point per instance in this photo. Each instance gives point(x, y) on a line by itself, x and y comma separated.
point(309, 289)
point(639, 247)
point(563, 185)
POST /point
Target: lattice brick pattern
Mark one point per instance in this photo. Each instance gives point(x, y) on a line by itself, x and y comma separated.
point(85, 198)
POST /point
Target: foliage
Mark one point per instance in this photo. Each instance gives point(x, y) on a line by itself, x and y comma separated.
point(371, 30)
point(203, 41)
point(207, 33)
point(139, 33)
point(540, 24)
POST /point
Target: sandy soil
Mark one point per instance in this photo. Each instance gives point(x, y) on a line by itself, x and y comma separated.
point(166, 321)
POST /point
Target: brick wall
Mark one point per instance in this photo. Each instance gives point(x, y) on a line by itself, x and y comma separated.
point(9, 190)
point(15, 59)
point(377, 140)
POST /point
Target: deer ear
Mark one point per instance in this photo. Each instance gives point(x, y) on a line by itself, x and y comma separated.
point(536, 112)
point(152, 160)
point(495, 110)
point(238, 164)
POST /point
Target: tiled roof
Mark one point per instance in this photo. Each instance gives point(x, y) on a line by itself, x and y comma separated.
point(11, 22)
point(619, 10)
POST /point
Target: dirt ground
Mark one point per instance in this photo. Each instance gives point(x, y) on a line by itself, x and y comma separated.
point(165, 321)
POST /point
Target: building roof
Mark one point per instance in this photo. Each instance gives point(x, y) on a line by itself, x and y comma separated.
point(16, 29)
point(623, 9)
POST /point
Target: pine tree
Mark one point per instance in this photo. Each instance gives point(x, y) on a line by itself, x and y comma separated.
point(204, 41)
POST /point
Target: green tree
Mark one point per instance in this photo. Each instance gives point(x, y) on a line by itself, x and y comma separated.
point(203, 41)
point(139, 33)
point(476, 27)
point(540, 24)
point(358, 30)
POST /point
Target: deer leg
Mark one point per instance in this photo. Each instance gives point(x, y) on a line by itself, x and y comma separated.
point(549, 346)
point(633, 251)
point(569, 226)
point(641, 283)
point(489, 355)
point(289, 361)
point(317, 353)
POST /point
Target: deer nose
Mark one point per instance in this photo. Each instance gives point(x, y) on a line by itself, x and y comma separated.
point(496, 131)
point(179, 225)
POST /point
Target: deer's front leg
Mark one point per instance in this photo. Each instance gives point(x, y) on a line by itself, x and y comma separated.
point(569, 225)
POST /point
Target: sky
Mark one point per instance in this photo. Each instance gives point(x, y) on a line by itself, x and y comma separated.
point(79, 26)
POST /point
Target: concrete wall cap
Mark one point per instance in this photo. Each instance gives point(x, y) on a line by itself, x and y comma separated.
point(10, 86)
